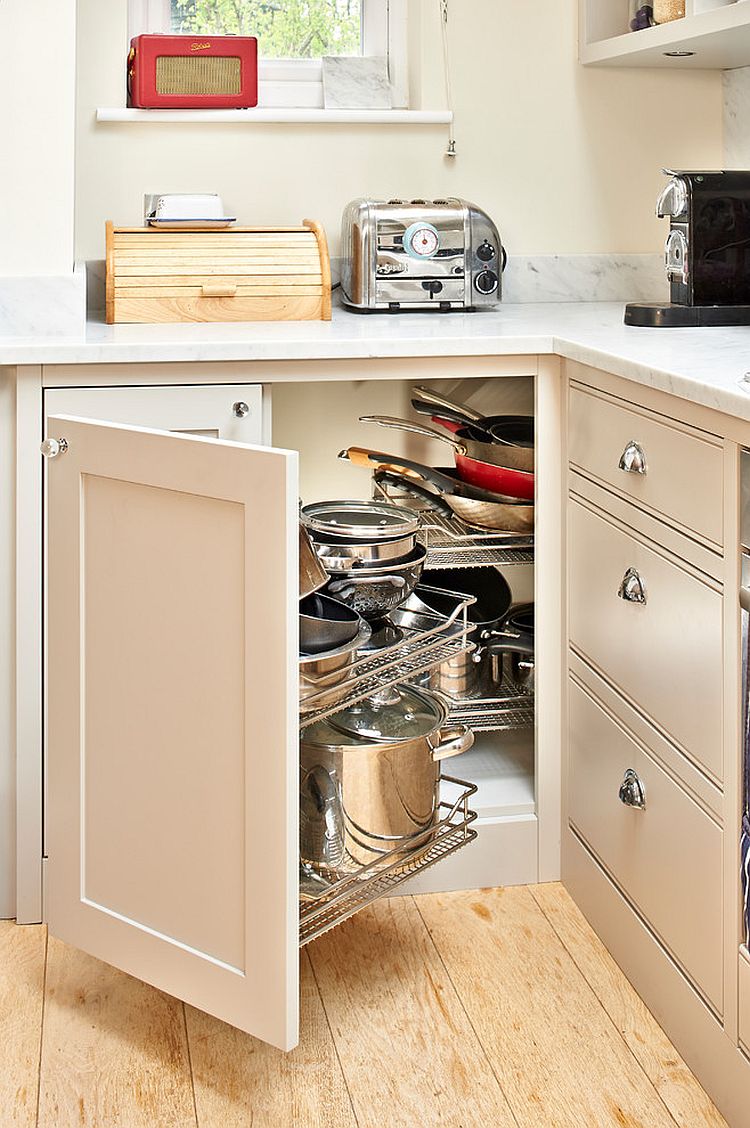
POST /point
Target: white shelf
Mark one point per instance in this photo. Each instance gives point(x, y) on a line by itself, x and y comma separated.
point(277, 116)
point(718, 37)
point(502, 767)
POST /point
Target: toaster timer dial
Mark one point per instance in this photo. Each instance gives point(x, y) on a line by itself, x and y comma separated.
point(421, 240)
point(486, 282)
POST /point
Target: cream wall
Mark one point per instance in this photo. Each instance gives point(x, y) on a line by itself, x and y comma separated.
point(565, 159)
point(37, 92)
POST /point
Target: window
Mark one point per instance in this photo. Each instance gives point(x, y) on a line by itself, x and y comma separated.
point(293, 35)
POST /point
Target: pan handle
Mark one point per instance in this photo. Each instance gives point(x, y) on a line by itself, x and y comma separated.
point(461, 409)
point(369, 458)
point(414, 429)
point(411, 487)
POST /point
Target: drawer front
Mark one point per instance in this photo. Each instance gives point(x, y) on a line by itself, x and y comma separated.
point(683, 472)
point(666, 857)
point(745, 998)
point(665, 653)
point(175, 307)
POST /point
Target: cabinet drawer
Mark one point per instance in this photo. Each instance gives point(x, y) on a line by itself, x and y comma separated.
point(745, 998)
point(683, 470)
point(666, 857)
point(664, 653)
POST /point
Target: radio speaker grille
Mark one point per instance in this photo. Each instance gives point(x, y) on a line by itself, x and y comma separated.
point(188, 74)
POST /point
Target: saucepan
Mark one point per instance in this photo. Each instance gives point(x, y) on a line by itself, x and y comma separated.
point(477, 507)
point(356, 534)
point(325, 624)
point(512, 648)
point(480, 464)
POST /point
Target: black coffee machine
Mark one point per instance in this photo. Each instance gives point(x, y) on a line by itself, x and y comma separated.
point(707, 253)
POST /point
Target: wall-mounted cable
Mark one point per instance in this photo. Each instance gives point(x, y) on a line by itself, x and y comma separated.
point(451, 150)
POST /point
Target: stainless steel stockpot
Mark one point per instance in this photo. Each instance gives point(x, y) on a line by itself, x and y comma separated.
point(370, 778)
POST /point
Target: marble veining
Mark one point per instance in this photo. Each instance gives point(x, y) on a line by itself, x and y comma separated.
point(356, 83)
point(737, 118)
point(43, 306)
point(582, 278)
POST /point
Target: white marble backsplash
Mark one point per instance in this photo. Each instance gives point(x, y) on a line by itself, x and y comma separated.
point(737, 118)
point(585, 278)
point(43, 306)
point(529, 278)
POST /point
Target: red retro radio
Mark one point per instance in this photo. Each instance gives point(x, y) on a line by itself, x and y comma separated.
point(179, 72)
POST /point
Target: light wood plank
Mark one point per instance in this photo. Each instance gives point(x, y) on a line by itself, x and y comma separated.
point(212, 270)
point(265, 290)
point(561, 1062)
point(114, 1051)
point(407, 1049)
point(22, 950)
point(673, 1081)
point(153, 310)
point(240, 1081)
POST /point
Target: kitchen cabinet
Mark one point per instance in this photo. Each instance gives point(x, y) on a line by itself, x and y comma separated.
point(171, 706)
point(745, 998)
point(712, 34)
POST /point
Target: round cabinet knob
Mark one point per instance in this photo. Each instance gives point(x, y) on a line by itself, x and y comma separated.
point(50, 448)
point(486, 252)
point(241, 409)
point(486, 282)
point(633, 459)
point(632, 587)
point(632, 792)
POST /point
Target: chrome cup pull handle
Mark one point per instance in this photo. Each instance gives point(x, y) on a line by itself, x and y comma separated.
point(241, 409)
point(632, 792)
point(633, 459)
point(632, 587)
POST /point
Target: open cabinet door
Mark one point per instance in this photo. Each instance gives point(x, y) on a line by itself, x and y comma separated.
point(172, 724)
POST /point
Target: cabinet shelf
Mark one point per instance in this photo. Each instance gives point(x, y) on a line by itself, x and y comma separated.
point(713, 34)
point(349, 894)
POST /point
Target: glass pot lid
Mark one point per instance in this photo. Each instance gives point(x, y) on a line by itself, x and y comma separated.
point(400, 714)
point(359, 520)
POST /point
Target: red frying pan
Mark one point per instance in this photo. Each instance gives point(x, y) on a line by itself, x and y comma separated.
point(480, 464)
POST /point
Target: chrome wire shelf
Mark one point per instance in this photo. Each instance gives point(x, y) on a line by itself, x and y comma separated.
point(495, 709)
point(419, 650)
point(451, 543)
point(348, 895)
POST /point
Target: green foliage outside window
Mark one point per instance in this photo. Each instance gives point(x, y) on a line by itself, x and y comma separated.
point(286, 29)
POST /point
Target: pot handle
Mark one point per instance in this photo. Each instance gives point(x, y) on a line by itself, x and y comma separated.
point(454, 739)
point(519, 642)
point(414, 429)
point(428, 395)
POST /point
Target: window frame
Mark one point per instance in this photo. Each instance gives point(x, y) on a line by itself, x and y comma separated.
point(298, 83)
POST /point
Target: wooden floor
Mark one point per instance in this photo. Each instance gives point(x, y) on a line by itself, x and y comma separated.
point(463, 1010)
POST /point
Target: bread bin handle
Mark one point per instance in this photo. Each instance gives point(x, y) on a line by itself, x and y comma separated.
point(213, 290)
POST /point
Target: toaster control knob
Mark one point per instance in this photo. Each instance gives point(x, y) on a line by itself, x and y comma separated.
point(486, 252)
point(486, 282)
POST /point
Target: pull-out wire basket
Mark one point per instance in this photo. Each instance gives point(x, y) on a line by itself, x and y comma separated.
point(343, 898)
point(421, 648)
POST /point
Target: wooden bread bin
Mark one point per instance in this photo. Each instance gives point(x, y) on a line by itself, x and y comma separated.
point(232, 274)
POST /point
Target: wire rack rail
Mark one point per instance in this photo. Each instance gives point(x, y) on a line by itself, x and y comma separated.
point(349, 894)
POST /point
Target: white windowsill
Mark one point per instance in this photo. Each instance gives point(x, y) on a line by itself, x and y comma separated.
point(290, 114)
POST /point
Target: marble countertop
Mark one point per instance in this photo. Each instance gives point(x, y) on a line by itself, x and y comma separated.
point(703, 365)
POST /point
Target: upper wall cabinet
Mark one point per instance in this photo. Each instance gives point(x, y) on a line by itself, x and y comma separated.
point(712, 34)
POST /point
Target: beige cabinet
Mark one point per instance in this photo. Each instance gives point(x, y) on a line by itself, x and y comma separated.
point(652, 625)
point(744, 1007)
point(172, 715)
point(658, 843)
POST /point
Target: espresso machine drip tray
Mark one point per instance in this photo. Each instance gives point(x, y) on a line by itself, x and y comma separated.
point(667, 315)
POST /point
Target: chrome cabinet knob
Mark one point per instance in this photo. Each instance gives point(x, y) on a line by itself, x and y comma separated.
point(632, 792)
point(633, 459)
point(241, 409)
point(632, 587)
point(50, 448)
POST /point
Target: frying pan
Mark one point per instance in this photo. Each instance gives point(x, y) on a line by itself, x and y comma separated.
point(473, 505)
point(480, 464)
point(514, 432)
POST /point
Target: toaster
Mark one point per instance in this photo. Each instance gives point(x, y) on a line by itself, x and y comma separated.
point(419, 255)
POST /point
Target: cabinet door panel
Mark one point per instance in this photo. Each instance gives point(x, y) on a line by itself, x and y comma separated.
point(172, 720)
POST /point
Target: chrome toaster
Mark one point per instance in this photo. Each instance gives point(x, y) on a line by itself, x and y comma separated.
point(419, 255)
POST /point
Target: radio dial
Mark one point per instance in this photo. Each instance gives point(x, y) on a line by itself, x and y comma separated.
point(486, 282)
